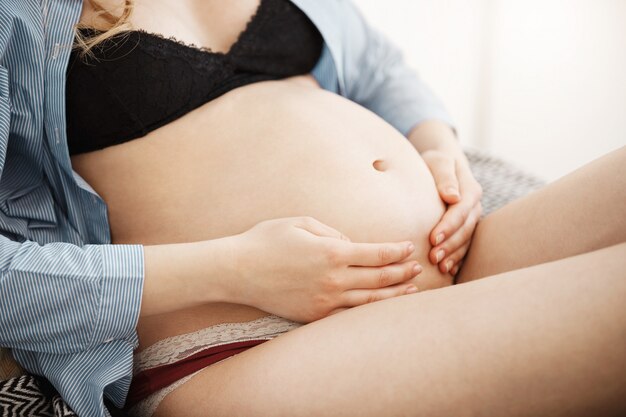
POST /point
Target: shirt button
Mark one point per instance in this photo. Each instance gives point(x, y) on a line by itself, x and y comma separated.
point(56, 50)
point(108, 340)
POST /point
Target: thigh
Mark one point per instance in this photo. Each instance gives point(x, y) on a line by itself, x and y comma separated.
point(579, 213)
point(548, 340)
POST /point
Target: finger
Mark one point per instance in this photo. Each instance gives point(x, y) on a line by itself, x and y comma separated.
point(443, 169)
point(359, 297)
point(375, 254)
point(312, 225)
point(470, 188)
point(456, 214)
point(468, 182)
point(370, 277)
point(460, 237)
point(452, 260)
point(452, 220)
point(455, 269)
point(338, 310)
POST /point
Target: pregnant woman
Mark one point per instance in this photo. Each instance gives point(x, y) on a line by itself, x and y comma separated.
point(261, 200)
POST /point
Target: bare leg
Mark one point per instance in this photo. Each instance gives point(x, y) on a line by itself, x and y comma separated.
point(546, 341)
point(579, 213)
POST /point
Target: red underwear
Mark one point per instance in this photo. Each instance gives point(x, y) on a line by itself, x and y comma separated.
point(151, 380)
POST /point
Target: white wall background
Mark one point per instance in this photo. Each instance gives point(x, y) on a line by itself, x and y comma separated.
point(541, 83)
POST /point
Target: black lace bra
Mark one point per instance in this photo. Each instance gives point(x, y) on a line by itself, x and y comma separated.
point(136, 82)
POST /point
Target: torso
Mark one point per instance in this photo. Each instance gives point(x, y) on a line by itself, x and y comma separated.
point(236, 161)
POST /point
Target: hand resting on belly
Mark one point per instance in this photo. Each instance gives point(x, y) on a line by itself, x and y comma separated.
point(269, 150)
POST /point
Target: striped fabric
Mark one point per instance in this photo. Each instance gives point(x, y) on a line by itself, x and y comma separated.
point(69, 300)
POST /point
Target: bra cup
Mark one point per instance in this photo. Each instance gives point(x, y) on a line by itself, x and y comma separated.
point(137, 81)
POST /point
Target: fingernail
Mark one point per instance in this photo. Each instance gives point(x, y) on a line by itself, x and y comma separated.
point(440, 255)
point(417, 269)
point(455, 269)
point(439, 238)
point(449, 265)
point(410, 248)
point(452, 191)
point(411, 290)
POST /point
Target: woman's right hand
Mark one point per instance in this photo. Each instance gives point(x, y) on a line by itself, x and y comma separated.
point(304, 270)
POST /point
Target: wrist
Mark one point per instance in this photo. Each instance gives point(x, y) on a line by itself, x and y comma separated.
point(432, 135)
point(184, 275)
point(218, 278)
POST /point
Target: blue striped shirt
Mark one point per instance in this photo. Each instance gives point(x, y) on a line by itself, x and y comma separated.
point(70, 300)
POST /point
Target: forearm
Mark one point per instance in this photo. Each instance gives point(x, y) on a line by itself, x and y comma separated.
point(63, 298)
point(435, 135)
point(183, 275)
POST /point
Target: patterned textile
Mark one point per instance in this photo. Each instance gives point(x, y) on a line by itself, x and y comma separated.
point(31, 396)
point(502, 182)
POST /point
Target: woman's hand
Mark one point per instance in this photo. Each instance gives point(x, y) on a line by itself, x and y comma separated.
point(457, 187)
point(304, 270)
point(437, 144)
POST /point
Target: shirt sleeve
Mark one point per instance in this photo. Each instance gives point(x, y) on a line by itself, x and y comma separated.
point(61, 298)
point(378, 78)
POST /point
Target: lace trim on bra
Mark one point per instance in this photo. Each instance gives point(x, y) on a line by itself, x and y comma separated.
point(200, 58)
point(174, 40)
point(137, 81)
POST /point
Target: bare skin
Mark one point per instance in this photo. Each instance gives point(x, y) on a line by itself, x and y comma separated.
point(311, 153)
point(579, 213)
point(554, 344)
point(290, 375)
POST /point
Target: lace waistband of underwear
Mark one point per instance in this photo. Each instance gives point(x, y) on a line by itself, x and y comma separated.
point(177, 348)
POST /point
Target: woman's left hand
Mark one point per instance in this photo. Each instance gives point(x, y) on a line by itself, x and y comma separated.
point(459, 189)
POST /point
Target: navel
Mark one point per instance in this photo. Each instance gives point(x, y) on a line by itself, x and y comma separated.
point(380, 165)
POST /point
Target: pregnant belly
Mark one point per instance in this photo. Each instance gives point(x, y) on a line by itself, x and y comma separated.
point(267, 150)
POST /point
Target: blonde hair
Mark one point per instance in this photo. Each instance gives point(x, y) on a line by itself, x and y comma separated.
point(109, 24)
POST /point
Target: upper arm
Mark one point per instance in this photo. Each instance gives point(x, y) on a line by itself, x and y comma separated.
point(378, 78)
